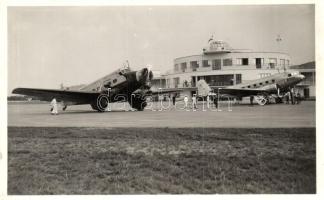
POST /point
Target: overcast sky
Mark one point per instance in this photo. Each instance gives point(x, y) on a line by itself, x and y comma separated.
point(74, 45)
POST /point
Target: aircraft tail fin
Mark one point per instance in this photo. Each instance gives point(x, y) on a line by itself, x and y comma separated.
point(203, 88)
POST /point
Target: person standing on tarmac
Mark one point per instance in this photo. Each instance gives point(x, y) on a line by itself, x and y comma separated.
point(185, 99)
point(251, 100)
point(194, 102)
point(54, 107)
point(216, 101)
point(287, 97)
point(298, 98)
point(173, 99)
point(292, 98)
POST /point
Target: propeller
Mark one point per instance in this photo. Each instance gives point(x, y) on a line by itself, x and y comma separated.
point(150, 72)
point(145, 76)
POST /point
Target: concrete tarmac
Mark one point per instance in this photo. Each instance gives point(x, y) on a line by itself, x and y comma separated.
point(237, 116)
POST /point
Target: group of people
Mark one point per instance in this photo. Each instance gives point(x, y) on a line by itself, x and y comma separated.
point(292, 97)
point(194, 101)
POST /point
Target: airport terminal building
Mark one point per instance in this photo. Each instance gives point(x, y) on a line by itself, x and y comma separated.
point(220, 65)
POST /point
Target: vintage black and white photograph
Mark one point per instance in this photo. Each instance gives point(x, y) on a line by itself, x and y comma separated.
point(161, 99)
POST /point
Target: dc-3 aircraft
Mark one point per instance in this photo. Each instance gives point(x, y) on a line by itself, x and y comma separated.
point(121, 85)
point(262, 89)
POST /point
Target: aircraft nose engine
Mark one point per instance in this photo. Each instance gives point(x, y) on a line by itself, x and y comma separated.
point(144, 75)
point(150, 75)
point(141, 75)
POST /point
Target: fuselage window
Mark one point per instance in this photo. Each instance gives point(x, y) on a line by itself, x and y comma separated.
point(267, 82)
point(260, 83)
point(108, 84)
point(254, 85)
point(115, 80)
point(273, 80)
point(249, 86)
point(289, 75)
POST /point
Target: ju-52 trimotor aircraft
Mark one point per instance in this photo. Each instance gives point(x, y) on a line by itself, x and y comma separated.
point(121, 85)
point(262, 89)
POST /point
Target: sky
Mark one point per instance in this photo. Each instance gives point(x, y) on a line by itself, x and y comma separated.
point(48, 46)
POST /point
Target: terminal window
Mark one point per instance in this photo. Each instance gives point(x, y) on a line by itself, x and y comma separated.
point(238, 78)
point(242, 61)
point(227, 62)
point(245, 61)
point(176, 81)
point(205, 63)
point(264, 75)
point(217, 63)
point(176, 67)
point(272, 62)
point(194, 65)
point(259, 62)
point(183, 67)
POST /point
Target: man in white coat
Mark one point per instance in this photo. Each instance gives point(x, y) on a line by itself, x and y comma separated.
point(185, 99)
point(194, 102)
point(54, 107)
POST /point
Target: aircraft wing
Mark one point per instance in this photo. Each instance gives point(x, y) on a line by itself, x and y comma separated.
point(75, 97)
point(239, 92)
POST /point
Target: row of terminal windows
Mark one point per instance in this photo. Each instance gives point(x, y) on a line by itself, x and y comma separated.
point(259, 85)
point(216, 64)
point(212, 80)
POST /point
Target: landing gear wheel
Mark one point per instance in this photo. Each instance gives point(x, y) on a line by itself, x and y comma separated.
point(261, 100)
point(278, 100)
point(137, 102)
point(101, 103)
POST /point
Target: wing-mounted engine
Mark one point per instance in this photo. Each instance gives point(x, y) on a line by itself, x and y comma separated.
point(277, 94)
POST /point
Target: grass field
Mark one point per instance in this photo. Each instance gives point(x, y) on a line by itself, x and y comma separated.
point(160, 160)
